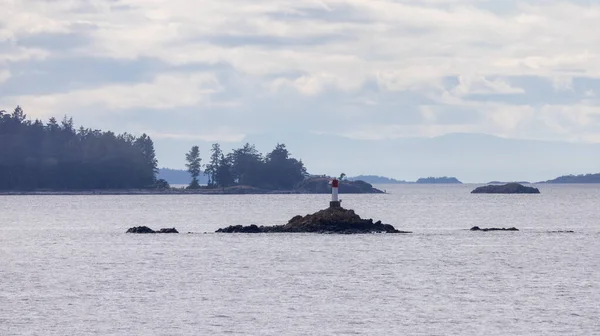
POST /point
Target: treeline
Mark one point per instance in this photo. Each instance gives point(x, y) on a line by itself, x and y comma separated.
point(56, 156)
point(276, 170)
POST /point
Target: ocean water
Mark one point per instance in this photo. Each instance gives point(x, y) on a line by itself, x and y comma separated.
point(68, 268)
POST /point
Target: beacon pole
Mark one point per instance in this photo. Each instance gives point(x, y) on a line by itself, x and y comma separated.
point(335, 202)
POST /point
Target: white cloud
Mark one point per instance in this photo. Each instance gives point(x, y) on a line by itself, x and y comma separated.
point(163, 92)
point(220, 135)
point(481, 85)
point(4, 75)
point(562, 83)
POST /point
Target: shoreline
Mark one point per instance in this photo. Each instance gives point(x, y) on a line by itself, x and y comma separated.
point(133, 192)
point(142, 192)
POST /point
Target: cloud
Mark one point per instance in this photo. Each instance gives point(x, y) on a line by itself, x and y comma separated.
point(163, 92)
point(374, 69)
point(222, 135)
point(481, 85)
point(4, 75)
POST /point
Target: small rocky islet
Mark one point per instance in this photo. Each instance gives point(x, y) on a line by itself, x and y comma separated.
point(329, 221)
point(145, 229)
point(509, 188)
point(477, 228)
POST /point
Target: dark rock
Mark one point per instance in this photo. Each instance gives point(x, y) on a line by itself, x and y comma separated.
point(562, 231)
point(331, 220)
point(140, 229)
point(145, 229)
point(510, 188)
point(168, 230)
point(477, 228)
point(241, 229)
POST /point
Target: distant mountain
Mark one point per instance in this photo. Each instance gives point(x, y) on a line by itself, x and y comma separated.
point(176, 176)
point(438, 180)
point(374, 179)
point(587, 178)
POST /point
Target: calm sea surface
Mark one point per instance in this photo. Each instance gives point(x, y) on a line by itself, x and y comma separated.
point(68, 268)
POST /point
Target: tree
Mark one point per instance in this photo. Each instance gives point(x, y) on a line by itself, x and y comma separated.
point(193, 166)
point(162, 184)
point(223, 177)
point(246, 165)
point(282, 171)
point(148, 155)
point(213, 166)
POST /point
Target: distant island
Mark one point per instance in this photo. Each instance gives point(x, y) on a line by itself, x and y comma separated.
point(439, 180)
point(575, 179)
point(510, 188)
point(374, 179)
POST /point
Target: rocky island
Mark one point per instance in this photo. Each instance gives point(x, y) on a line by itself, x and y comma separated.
point(145, 229)
point(510, 188)
point(330, 220)
point(477, 228)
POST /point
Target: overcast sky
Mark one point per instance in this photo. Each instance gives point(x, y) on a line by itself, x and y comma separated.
point(219, 70)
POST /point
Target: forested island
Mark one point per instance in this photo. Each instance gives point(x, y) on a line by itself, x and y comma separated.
point(439, 180)
point(56, 157)
point(375, 179)
point(424, 180)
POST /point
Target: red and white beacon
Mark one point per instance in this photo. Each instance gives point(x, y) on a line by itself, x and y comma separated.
point(335, 202)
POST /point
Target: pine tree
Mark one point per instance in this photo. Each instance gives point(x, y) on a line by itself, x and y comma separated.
point(213, 166)
point(193, 166)
point(223, 176)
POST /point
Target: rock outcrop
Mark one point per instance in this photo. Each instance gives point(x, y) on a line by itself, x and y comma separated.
point(510, 188)
point(320, 185)
point(242, 229)
point(477, 228)
point(145, 229)
point(331, 220)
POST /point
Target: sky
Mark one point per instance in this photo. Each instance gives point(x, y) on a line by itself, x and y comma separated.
point(188, 72)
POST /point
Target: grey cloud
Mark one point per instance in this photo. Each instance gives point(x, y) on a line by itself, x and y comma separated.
point(55, 75)
point(335, 13)
point(538, 91)
point(54, 41)
point(274, 41)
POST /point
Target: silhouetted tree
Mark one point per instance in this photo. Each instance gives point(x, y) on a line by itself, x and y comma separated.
point(281, 171)
point(213, 165)
point(246, 165)
point(193, 166)
point(223, 177)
